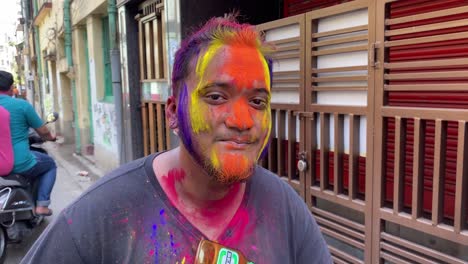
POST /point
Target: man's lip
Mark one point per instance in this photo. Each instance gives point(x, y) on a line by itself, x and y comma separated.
point(236, 145)
point(238, 141)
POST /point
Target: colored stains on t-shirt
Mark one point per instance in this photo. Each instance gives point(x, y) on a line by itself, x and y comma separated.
point(238, 228)
point(210, 214)
point(170, 247)
point(169, 183)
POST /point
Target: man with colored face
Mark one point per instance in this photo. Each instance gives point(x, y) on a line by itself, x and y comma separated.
point(224, 112)
point(158, 209)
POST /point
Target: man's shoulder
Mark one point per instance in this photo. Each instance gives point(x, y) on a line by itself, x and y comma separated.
point(13, 104)
point(124, 172)
point(267, 177)
point(265, 181)
point(115, 184)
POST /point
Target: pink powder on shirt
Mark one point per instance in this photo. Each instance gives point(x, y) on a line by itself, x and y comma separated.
point(239, 228)
point(169, 183)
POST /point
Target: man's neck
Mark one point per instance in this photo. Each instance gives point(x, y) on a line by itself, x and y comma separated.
point(194, 182)
point(208, 205)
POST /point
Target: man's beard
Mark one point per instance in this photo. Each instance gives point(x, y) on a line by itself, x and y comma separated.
point(226, 174)
point(222, 173)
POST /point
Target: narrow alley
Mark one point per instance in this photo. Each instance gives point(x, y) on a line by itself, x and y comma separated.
point(68, 186)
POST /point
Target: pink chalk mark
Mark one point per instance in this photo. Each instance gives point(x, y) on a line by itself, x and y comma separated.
point(238, 227)
point(212, 209)
point(169, 183)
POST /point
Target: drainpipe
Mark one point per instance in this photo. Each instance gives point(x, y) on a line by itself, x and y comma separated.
point(69, 55)
point(116, 82)
point(37, 50)
point(39, 67)
point(27, 59)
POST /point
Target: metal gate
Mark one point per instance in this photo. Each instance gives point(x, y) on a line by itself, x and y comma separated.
point(420, 173)
point(153, 70)
point(333, 108)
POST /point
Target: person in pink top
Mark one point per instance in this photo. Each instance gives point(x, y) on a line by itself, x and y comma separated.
point(6, 148)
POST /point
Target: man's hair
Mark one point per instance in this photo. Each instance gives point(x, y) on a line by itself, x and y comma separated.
point(6, 80)
point(224, 30)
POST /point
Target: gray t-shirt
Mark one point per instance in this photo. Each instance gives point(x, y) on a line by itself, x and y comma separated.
point(126, 217)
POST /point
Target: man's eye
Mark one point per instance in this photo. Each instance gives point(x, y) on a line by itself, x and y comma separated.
point(259, 103)
point(214, 98)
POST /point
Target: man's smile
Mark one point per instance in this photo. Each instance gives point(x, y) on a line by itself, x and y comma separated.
point(236, 144)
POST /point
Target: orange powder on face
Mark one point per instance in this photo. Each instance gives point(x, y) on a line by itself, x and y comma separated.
point(247, 70)
point(240, 116)
point(234, 166)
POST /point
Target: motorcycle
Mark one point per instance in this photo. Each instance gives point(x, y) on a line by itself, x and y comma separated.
point(17, 200)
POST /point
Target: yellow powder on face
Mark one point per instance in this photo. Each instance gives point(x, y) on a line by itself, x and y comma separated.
point(266, 70)
point(197, 110)
point(266, 124)
point(215, 159)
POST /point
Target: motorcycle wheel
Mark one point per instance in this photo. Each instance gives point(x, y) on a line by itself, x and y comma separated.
point(3, 245)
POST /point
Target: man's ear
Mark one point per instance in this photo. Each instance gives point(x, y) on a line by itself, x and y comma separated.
point(10, 92)
point(171, 112)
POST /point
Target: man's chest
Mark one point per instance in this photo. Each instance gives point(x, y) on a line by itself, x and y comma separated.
point(173, 240)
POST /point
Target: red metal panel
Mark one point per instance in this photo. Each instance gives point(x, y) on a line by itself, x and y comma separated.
point(431, 99)
point(295, 7)
point(414, 7)
point(361, 172)
point(274, 147)
point(450, 163)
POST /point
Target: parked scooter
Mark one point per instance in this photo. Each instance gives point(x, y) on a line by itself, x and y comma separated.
point(17, 201)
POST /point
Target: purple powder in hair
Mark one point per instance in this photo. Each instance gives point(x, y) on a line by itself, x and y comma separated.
point(183, 119)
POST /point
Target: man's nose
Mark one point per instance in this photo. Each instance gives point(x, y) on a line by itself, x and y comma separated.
point(240, 117)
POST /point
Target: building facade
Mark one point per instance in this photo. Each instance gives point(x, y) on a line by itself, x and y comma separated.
point(71, 65)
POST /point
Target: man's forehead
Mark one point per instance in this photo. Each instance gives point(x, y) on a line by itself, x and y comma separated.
point(238, 61)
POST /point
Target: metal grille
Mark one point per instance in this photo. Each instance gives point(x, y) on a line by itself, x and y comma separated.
point(337, 173)
point(150, 7)
point(152, 44)
point(422, 132)
point(156, 131)
point(287, 100)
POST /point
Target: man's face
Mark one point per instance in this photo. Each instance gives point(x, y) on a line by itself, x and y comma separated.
point(224, 111)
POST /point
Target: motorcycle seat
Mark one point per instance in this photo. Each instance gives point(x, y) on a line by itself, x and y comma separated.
point(14, 180)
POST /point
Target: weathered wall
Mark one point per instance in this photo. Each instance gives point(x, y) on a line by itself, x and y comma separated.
point(80, 9)
point(105, 138)
point(57, 76)
point(48, 29)
point(81, 82)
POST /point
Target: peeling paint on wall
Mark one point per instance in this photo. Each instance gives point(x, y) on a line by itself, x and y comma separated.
point(48, 104)
point(104, 121)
